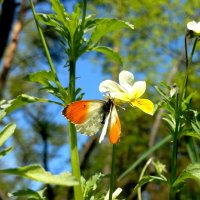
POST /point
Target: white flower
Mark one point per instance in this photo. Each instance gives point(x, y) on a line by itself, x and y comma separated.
point(127, 91)
point(194, 26)
point(114, 195)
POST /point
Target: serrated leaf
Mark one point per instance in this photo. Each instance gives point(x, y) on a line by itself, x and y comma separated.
point(48, 19)
point(109, 53)
point(89, 186)
point(43, 77)
point(104, 26)
point(191, 172)
point(60, 11)
point(28, 193)
point(50, 83)
point(5, 151)
point(37, 173)
point(149, 179)
point(7, 131)
point(22, 100)
point(74, 22)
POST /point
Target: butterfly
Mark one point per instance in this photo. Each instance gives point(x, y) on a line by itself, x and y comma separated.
point(89, 116)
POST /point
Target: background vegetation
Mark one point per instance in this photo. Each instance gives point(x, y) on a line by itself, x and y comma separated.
point(154, 51)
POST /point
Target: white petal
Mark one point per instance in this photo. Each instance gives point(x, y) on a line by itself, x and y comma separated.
point(194, 26)
point(116, 192)
point(138, 89)
point(126, 80)
point(109, 86)
point(191, 25)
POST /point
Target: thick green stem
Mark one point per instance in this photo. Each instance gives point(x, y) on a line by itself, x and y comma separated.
point(112, 174)
point(175, 149)
point(178, 119)
point(73, 136)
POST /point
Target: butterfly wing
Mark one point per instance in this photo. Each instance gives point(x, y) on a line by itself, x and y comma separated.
point(114, 130)
point(87, 115)
point(112, 126)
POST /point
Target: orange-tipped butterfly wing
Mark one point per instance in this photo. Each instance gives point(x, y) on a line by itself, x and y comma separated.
point(88, 115)
point(114, 127)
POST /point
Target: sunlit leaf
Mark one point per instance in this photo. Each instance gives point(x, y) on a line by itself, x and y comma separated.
point(109, 53)
point(50, 83)
point(37, 173)
point(149, 179)
point(2, 114)
point(58, 7)
point(104, 26)
point(7, 132)
point(89, 186)
point(29, 194)
point(48, 19)
point(5, 151)
point(22, 100)
point(191, 172)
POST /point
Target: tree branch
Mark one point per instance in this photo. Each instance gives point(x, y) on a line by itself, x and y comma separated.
point(11, 49)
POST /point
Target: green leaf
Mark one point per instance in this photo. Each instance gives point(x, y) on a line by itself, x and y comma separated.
point(60, 11)
point(30, 194)
point(149, 179)
point(37, 173)
point(161, 92)
point(109, 53)
point(74, 21)
point(2, 114)
point(104, 26)
point(191, 172)
point(49, 81)
point(43, 77)
point(190, 133)
point(48, 19)
point(5, 151)
point(22, 100)
point(7, 132)
point(89, 186)
point(170, 120)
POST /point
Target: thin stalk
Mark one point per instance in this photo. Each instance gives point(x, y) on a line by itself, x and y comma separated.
point(112, 175)
point(43, 39)
point(141, 175)
point(73, 136)
point(187, 64)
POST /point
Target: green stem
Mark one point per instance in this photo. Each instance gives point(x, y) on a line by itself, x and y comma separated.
point(112, 175)
point(43, 39)
point(187, 64)
point(73, 136)
point(175, 148)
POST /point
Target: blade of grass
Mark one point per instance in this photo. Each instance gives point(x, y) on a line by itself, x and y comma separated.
point(145, 155)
